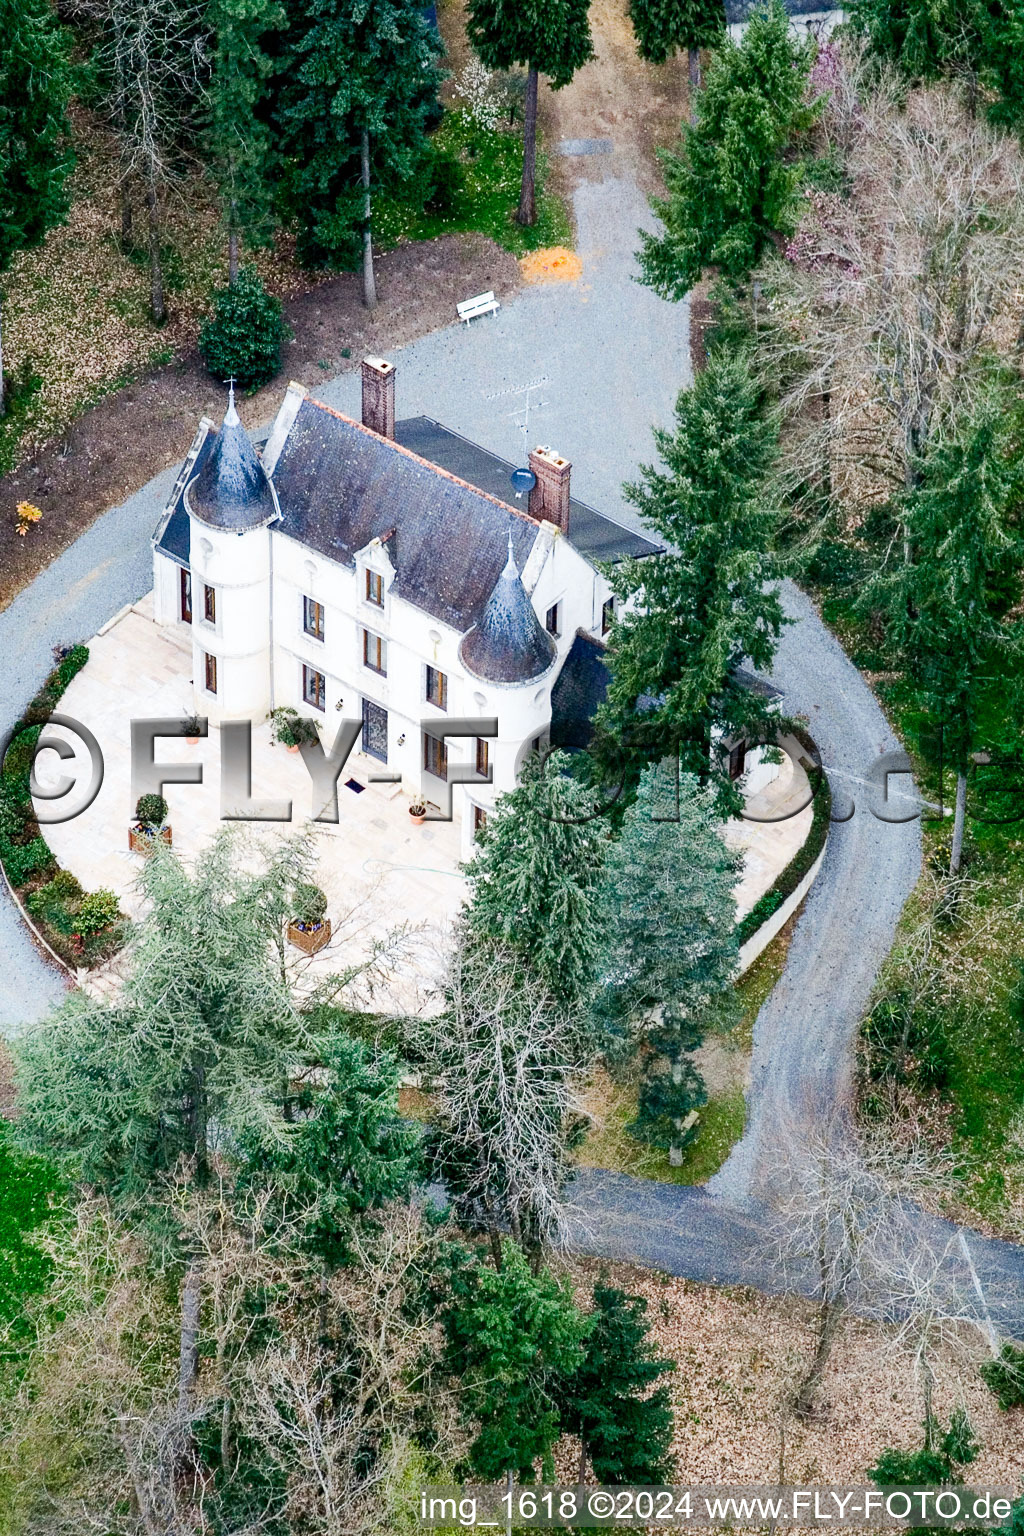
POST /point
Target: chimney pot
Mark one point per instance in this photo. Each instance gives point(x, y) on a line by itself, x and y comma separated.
point(379, 396)
point(549, 499)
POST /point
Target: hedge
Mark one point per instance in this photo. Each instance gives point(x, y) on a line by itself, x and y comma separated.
point(24, 852)
point(786, 882)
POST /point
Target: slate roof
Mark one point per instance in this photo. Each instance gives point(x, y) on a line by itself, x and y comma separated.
point(229, 488)
point(508, 645)
point(591, 532)
point(443, 504)
point(579, 689)
point(339, 486)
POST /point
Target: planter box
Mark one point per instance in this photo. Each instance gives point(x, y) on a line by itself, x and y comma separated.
point(142, 842)
point(310, 940)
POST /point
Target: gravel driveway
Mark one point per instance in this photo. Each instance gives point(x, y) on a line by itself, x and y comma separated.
point(611, 356)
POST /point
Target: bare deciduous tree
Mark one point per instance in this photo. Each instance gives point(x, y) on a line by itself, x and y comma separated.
point(879, 316)
point(509, 1064)
point(851, 1220)
point(154, 54)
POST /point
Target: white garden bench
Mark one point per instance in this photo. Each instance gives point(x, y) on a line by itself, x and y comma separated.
point(483, 304)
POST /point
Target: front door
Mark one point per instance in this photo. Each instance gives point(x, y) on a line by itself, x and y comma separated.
point(375, 730)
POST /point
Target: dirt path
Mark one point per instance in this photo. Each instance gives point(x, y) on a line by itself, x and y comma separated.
point(617, 96)
point(119, 444)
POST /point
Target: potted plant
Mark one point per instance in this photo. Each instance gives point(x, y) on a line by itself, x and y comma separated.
point(310, 928)
point(292, 729)
point(193, 730)
point(417, 813)
point(150, 819)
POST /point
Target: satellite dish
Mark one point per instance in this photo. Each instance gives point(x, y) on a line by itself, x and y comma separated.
point(523, 481)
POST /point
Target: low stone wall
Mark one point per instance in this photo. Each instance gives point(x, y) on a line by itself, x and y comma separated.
point(758, 942)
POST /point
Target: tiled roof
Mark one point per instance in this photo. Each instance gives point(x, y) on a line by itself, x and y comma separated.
point(508, 645)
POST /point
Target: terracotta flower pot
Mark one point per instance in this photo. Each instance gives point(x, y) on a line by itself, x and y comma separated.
point(417, 817)
point(310, 940)
point(140, 841)
point(193, 741)
point(294, 748)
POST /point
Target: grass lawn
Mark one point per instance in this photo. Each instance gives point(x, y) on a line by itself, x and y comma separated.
point(722, 1119)
point(491, 164)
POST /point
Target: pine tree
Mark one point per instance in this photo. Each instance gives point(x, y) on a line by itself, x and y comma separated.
point(546, 37)
point(729, 190)
point(663, 26)
point(533, 880)
point(691, 615)
point(668, 915)
point(625, 1429)
point(511, 1339)
point(976, 41)
point(950, 599)
point(199, 1045)
point(358, 87)
point(349, 1151)
point(239, 136)
point(35, 153)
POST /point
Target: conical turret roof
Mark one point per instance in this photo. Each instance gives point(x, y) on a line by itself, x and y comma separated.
point(231, 489)
point(508, 645)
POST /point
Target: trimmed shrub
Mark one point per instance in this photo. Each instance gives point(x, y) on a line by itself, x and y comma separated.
point(1005, 1377)
point(97, 911)
point(151, 811)
point(310, 905)
point(23, 860)
point(244, 335)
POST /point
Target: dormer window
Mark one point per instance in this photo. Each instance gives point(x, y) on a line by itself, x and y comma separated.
point(375, 588)
point(553, 620)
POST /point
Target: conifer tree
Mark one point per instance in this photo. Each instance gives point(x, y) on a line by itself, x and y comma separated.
point(349, 1151)
point(950, 601)
point(692, 614)
point(663, 26)
point(35, 152)
point(534, 877)
point(729, 190)
point(546, 37)
point(668, 917)
point(978, 42)
point(239, 136)
point(358, 86)
point(511, 1338)
point(624, 1428)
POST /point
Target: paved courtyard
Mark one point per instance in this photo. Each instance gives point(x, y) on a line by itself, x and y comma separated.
point(380, 872)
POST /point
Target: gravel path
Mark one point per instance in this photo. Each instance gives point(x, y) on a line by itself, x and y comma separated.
point(804, 1034)
point(612, 356)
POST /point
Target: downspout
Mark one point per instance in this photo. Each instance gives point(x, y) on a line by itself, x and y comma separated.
point(270, 537)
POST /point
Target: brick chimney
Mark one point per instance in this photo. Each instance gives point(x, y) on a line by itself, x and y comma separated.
point(379, 396)
point(549, 499)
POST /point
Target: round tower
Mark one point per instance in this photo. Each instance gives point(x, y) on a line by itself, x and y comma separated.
point(513, 657)
point(230, 503)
